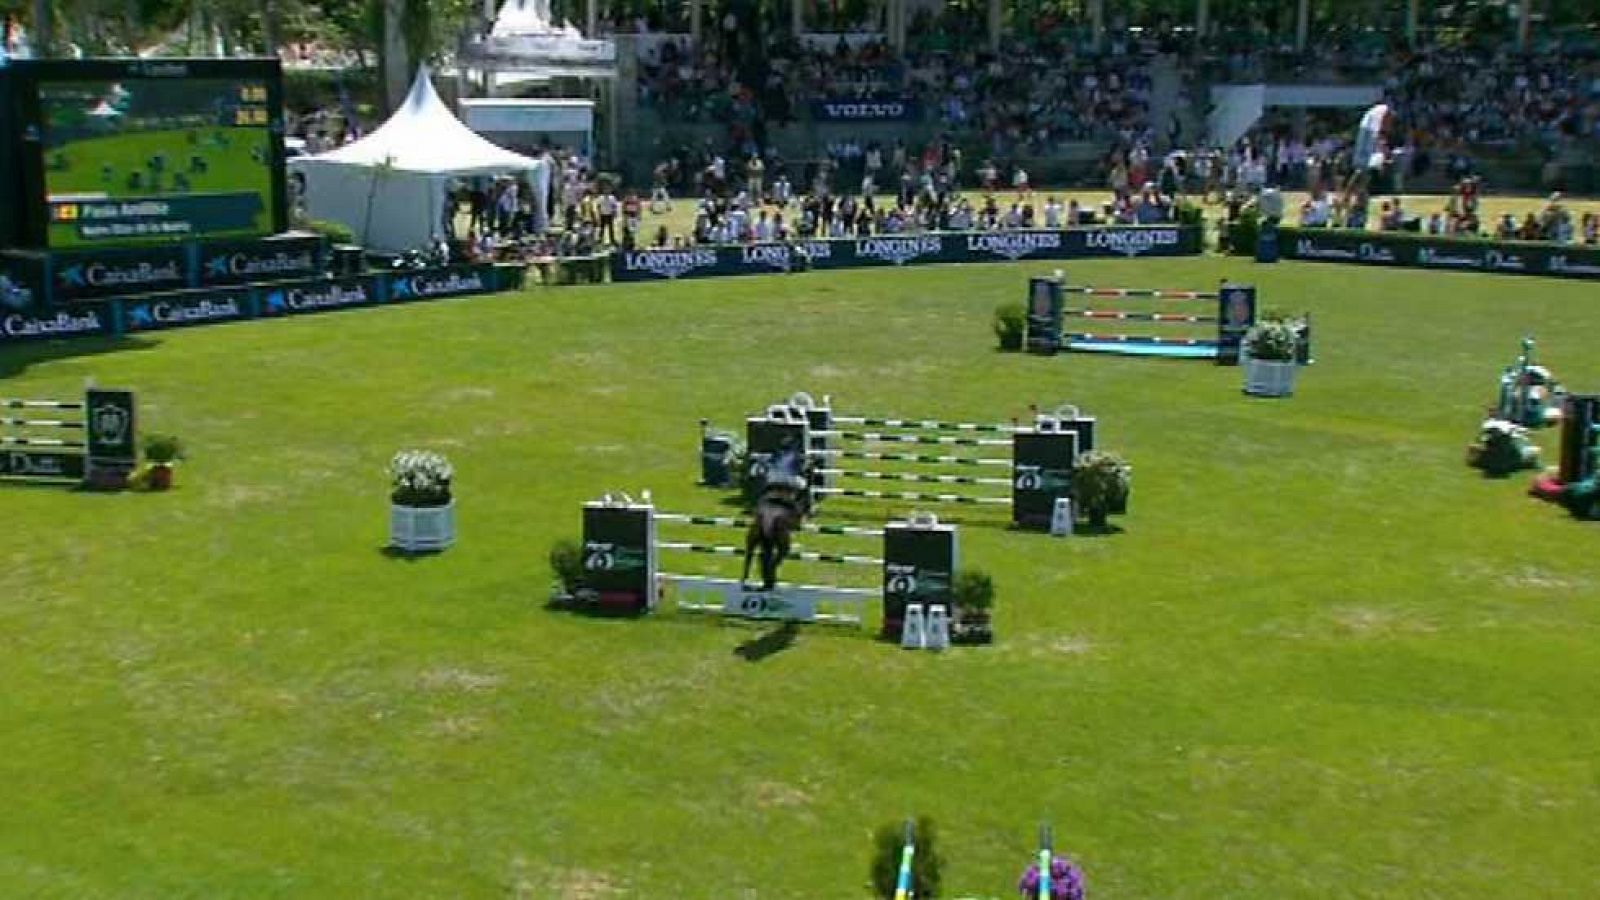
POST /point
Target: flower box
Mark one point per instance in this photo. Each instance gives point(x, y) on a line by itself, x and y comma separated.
point(1269, 377)
point(422, 529)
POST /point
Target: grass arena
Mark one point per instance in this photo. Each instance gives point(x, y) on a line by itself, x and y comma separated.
point(1317, 656)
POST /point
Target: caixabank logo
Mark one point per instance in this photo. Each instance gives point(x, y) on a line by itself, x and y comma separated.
point(78, 323)
point(425, 285)
point(259, 266)
point(317, 298)
point(93, 276)
point(150, 315)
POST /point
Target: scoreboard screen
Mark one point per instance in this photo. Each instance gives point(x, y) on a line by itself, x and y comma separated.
point(131, 153)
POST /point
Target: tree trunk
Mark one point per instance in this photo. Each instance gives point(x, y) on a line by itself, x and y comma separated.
point(272, 27)
point(396, 61)
point(43, 39)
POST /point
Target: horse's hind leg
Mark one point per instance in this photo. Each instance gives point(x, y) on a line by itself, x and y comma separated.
point(752, 538)
point(772, 556)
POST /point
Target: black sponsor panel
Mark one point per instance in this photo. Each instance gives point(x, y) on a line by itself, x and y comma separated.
point(275, 259)
point(1041, 474)
point(617, 545)
point(22, 280)
point(83, 320)
point(321, 295)
point(919, 567)
point(434, 284)
point(1445, 254)
point(1044, 313)
point(186, 309)
point(845, 109)
point(82, 275)
point(42, 465)
point(668, 263)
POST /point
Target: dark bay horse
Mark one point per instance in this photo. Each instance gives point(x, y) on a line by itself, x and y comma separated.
point(781, 508)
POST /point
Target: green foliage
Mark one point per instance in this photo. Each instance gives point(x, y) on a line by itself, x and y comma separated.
point(1010, 324)
point(1244, 232)
point(973, 589)
point(566, 563)
point(927, 866)
point(335, 232)
point(1271, 339)
point(1191, 213)
point(162, 449)
point(1100, 483)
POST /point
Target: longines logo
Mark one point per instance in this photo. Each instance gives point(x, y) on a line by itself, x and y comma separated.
point(1014, 245)
point(1133, 242)
point(899, 250)
point(670, 263)
point(773, 256)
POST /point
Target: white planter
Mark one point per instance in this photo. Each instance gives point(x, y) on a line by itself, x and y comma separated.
point(416, 529)
point(1269, 377)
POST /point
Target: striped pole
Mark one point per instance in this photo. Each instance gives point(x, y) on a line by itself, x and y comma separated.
point(908, 852)
point(879, 438)
point(39, 423)
point(730, 522)
point(1151, 293)
point(914, 457)
point(1136, 316)
point(904, 495)
point(6, 403)
point(819, 588)
point(9, 441)
point(927, 479)
point(842, 559)
point(926, 424)
point(1139, 339)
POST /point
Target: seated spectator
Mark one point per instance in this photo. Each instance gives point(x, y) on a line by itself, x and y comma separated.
point(1316, 212)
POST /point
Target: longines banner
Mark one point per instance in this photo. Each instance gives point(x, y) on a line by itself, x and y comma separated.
point(1467, 255)
point(905, 250)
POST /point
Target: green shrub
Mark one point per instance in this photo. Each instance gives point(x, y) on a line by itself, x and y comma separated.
point(1010, 324)
point(335, 232)
point(1100, 484)
point(566, 563)
point(162, 449)
point(1272, 339)
point(973, 589)
point(926, 865)
point(1243, 233)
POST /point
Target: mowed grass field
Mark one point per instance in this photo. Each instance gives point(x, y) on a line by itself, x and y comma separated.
point(230, 168)
point(1322, 659)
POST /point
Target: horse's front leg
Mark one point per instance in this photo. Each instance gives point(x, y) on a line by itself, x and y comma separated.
point(750, 541)
point(773, 554)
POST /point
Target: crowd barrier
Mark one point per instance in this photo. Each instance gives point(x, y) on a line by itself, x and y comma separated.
point(909, 249)
point(1422, 252)
point(153, 312)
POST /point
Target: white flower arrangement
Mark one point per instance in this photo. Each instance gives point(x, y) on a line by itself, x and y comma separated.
point(420, 478)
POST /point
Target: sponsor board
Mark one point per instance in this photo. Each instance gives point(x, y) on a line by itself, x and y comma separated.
point(92, 320)
point(278, 260)
point(635, 265)
point(1445, 254)
point(844, 109)
point(181, 310)
point(431, 284)
point(83, 275)
point(318, 296)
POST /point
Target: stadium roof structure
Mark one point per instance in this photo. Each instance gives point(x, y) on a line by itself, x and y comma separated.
point(424, 136)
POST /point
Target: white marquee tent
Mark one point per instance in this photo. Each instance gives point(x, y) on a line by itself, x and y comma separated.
point(389, 187)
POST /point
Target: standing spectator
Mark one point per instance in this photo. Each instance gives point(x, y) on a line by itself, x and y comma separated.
point(607, 207)
point(755, 172)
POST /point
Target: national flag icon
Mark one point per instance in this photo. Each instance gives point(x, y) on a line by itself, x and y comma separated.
point(66, 212)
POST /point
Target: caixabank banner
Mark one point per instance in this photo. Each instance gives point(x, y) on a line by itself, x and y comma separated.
point(436, 284)
point(1459, 254)
point(246, 262)
point(90, 274)
point(186, 309)
point(323, 295)
point(905, 250)
point(83, 320)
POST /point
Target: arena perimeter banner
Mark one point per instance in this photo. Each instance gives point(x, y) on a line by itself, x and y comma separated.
point(905, 250)
point(845, 109)
point(1467, 255)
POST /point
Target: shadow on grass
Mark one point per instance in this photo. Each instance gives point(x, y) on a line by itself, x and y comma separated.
point(18, 358)
point(768, 644)
point(393, 552)
point(1096, 531)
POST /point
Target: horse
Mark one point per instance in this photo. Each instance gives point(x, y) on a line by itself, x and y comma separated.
point(780, 509)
